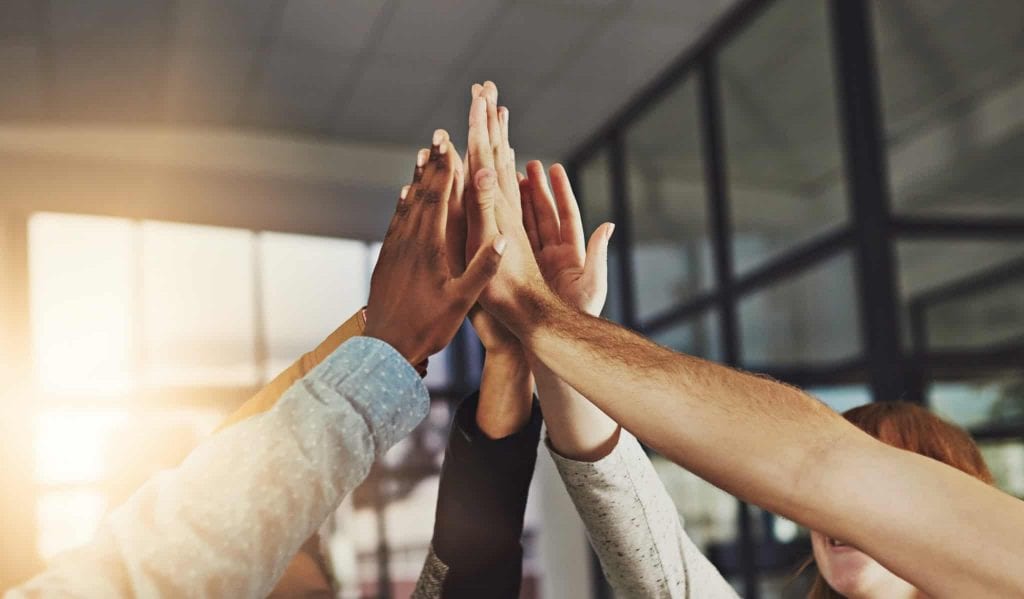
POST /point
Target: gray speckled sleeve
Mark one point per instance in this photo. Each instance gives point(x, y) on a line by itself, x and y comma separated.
point(229, 519)
point(635, 528)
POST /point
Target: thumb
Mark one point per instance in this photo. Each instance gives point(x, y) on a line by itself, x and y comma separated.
point(595, 268)
point(481, 270)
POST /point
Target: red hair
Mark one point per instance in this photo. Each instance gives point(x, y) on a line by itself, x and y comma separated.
point(913, 428)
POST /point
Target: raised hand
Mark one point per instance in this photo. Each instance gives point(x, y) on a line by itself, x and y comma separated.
point(416, 302)
point(578, 275)
point(493, 181)
point(494, 336)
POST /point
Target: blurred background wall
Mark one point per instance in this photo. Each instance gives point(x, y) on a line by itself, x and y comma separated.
point(829, 192)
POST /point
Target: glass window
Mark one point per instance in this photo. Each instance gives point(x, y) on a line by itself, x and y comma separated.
point(595, 197)
point(198, 305)
point(1005, 460)
point(810, 318)
point(989, 317)
point(979, 403)
point(783, 158)
point(842, 398)
point(82, 286)
point(958, 313)
point(951, 88)
point(668, 204)
point(698, 336)
point(310, 285)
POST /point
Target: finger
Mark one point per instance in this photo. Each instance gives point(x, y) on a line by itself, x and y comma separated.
point(499, 144)
point(401, 212)
point(455, 231)
point(503, 122)
point(595, 269)
point(422, 156)
point(570, 223)
point(480, 153)
point(431, 197)
point(529, 219)
point(480, 271)
point(543, 204)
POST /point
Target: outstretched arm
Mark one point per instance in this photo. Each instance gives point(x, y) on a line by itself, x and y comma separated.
point(945, 532)
point(489, 460)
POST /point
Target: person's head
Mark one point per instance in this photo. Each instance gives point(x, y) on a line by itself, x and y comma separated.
point(846, 572)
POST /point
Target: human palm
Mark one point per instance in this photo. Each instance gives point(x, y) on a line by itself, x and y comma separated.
point(577, 274)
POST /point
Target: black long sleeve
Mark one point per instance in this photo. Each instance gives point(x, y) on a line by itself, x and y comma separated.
point(480, 506)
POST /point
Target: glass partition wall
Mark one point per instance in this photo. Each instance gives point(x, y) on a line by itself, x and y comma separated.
point(829, 193)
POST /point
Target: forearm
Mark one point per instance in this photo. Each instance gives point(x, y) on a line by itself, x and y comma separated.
point(481, 500)
point(228, 520)
point(746, 434)
point(577, 429)
point(506, 393)
point(777, 447)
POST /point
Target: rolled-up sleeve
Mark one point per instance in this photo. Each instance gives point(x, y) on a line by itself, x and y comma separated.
point(229, 519)
point(635, 528)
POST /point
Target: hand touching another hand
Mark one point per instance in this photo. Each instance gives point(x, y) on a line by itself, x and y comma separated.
point(416, 302)
point(498, 211)
point(577, 275)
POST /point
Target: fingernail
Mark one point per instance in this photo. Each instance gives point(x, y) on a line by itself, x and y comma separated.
point(438, 137)
point(611, 230)
point(404, 192)
point(476, 89)
point(499, 245)
point(443, 149)
point(421, 157)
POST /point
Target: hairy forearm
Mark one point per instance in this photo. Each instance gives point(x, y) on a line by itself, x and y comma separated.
point(747, 434)
point(777, 447)
point(506, 393)
point(577, 429)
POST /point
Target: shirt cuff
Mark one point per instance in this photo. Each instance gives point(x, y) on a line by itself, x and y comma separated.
point(467, 440)
point(379, 384)
point(609, 468)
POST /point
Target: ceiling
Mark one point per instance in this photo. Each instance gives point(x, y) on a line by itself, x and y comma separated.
point(381, 71)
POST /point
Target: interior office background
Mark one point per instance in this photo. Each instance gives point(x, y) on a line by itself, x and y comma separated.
point(192, 194)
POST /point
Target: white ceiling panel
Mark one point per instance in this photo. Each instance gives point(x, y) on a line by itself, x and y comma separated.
point(530, 40)
point(440, 30)
point(20, 94)
point(299, 87)
point(373, 70)
point(223, 22)
point(207, 83)
point(330, 25)
point(19, 20)
point(388, 97)
point(110, 84)
point(110, 22)
point(696, 13)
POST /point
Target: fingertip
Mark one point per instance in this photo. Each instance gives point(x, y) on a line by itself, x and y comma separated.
point(556, 170)
point(422, 156)
point(476, 89)
point(405, 191)
point(520, 177)
point(610, 230)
